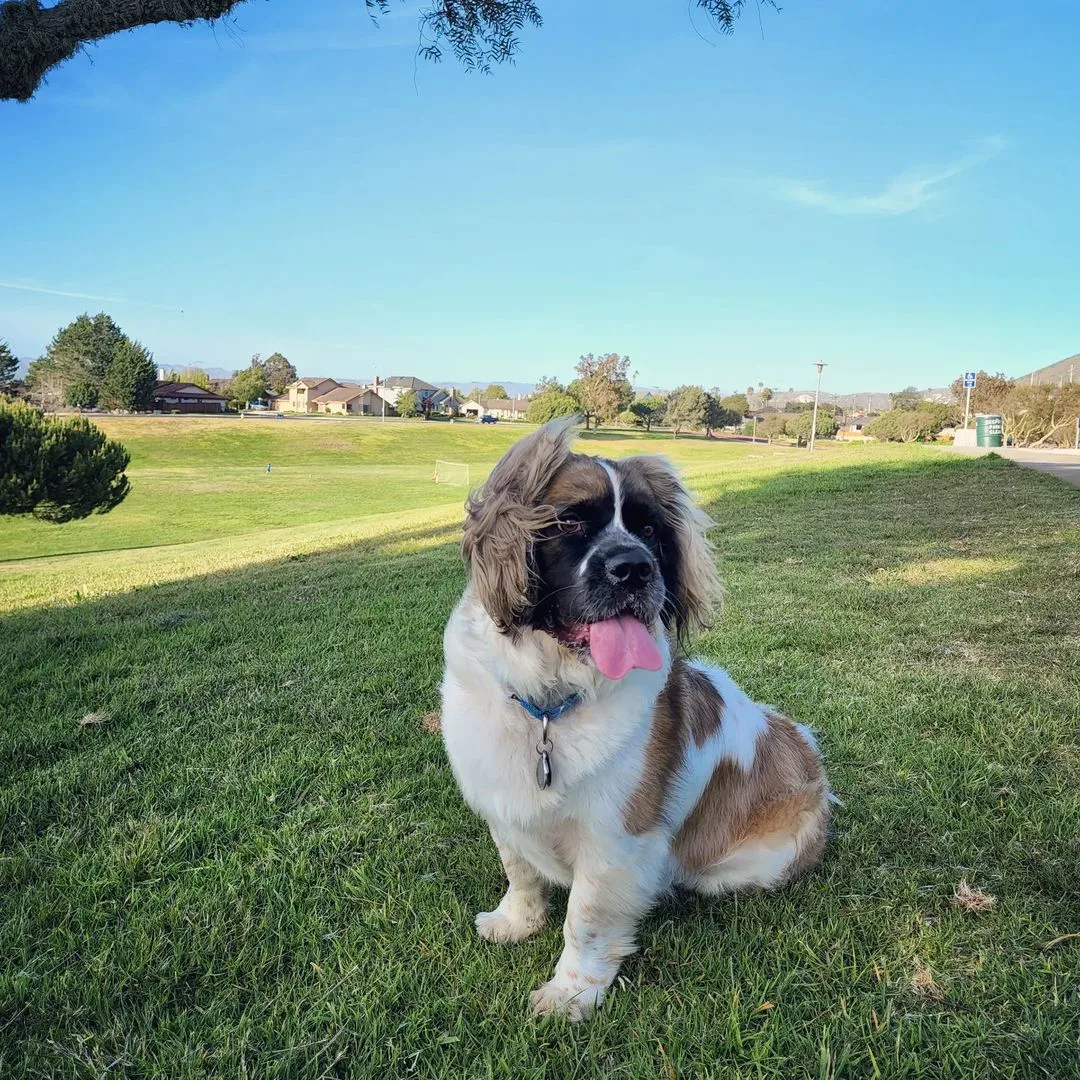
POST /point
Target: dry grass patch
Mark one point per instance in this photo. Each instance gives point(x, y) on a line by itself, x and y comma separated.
point(969, 899)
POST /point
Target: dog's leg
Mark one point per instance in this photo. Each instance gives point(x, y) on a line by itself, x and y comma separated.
point(608, 898)
point(523, 910)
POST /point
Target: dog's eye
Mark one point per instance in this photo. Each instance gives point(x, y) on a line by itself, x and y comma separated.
point(570, 525)
point(648, 532)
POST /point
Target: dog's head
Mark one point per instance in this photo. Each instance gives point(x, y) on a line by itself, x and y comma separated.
point(585, 549)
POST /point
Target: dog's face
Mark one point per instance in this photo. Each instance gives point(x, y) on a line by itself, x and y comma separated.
point(610, 552)
point(564, 543)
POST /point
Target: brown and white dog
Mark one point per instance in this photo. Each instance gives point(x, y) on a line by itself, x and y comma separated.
point(649, 771)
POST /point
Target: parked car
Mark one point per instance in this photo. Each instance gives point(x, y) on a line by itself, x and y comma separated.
point(487, 420)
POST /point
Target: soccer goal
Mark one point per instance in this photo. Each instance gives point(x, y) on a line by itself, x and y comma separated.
point(452, 472)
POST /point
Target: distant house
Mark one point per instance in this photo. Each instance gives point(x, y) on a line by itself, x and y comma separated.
point(853, 428)
point(393, 387)
point(322, 395)
point(300, 396)
point(401, 383)
point(449, 404)
point(185, 397)
point(507, 408)
point(353, 400)
point(501, 408)
point(307, 395)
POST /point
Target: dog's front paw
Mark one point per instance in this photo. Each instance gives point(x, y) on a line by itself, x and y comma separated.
point(499, 925)
point(576, 1000)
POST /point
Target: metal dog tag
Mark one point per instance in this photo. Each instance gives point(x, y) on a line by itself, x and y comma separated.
point(543, 770)
point(543, 748)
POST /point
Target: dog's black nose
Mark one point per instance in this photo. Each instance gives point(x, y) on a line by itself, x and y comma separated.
point(631, 569)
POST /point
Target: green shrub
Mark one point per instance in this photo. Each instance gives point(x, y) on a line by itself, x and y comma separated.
point(57, 470)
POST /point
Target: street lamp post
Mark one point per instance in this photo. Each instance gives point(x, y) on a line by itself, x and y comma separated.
point(817, 394)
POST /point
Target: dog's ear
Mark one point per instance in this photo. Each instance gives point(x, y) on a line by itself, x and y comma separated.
point(698, 592)
point(507, 514)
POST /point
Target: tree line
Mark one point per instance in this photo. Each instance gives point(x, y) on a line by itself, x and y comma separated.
point(1039, 415)
point(602, 393)
point(1034, 415)
point(260, 378)
point(92, 363)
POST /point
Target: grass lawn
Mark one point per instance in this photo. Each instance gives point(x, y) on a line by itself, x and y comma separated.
point(258, 864)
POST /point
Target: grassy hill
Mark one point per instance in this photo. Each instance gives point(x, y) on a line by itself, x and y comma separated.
point(229, 847)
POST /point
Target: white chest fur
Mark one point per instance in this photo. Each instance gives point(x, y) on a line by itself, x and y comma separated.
point(597, 746)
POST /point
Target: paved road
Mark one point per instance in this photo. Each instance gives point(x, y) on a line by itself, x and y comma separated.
point(1062, 463)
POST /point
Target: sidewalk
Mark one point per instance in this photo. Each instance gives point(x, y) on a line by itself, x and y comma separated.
point(1061, 463)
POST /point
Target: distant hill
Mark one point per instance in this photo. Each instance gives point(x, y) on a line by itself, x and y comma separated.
point(1064, 371)
point(863, 401)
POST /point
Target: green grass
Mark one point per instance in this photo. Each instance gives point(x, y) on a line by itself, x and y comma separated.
point(260, 866)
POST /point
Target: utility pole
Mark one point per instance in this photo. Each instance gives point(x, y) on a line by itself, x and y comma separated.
point(817, 394)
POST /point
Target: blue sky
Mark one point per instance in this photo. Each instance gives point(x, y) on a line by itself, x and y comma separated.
point(889, 186)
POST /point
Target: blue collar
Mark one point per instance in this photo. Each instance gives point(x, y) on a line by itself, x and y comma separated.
point(552, 713)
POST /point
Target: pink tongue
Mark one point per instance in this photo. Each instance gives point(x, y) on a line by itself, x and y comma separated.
point(617, 645)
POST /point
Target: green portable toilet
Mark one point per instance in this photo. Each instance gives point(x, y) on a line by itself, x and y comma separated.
point(988, 429)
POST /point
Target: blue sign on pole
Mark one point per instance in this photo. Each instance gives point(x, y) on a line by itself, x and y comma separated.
point(969, 380)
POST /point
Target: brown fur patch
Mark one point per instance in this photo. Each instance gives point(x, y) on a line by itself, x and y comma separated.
point(688, 707)
point(579, 478)
point(703, 705)
point(783, 793)
point(506, 516)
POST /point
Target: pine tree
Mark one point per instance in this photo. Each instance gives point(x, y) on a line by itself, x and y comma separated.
point(57, 470)
point(129, 380)
point(83, 350)
point(8, 365)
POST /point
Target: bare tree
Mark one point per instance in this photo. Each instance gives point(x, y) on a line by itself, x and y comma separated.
point(35, 38)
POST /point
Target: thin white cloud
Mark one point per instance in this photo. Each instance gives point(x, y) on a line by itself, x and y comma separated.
point(909, 191)
point(62, 292)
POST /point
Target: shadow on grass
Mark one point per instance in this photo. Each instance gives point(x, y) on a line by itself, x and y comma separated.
point(259, 859)
point(92, 551)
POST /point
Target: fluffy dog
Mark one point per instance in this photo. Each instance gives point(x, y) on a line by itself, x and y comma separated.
point(599, 757)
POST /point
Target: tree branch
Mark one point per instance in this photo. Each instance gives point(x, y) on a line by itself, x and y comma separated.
point(34, 39)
